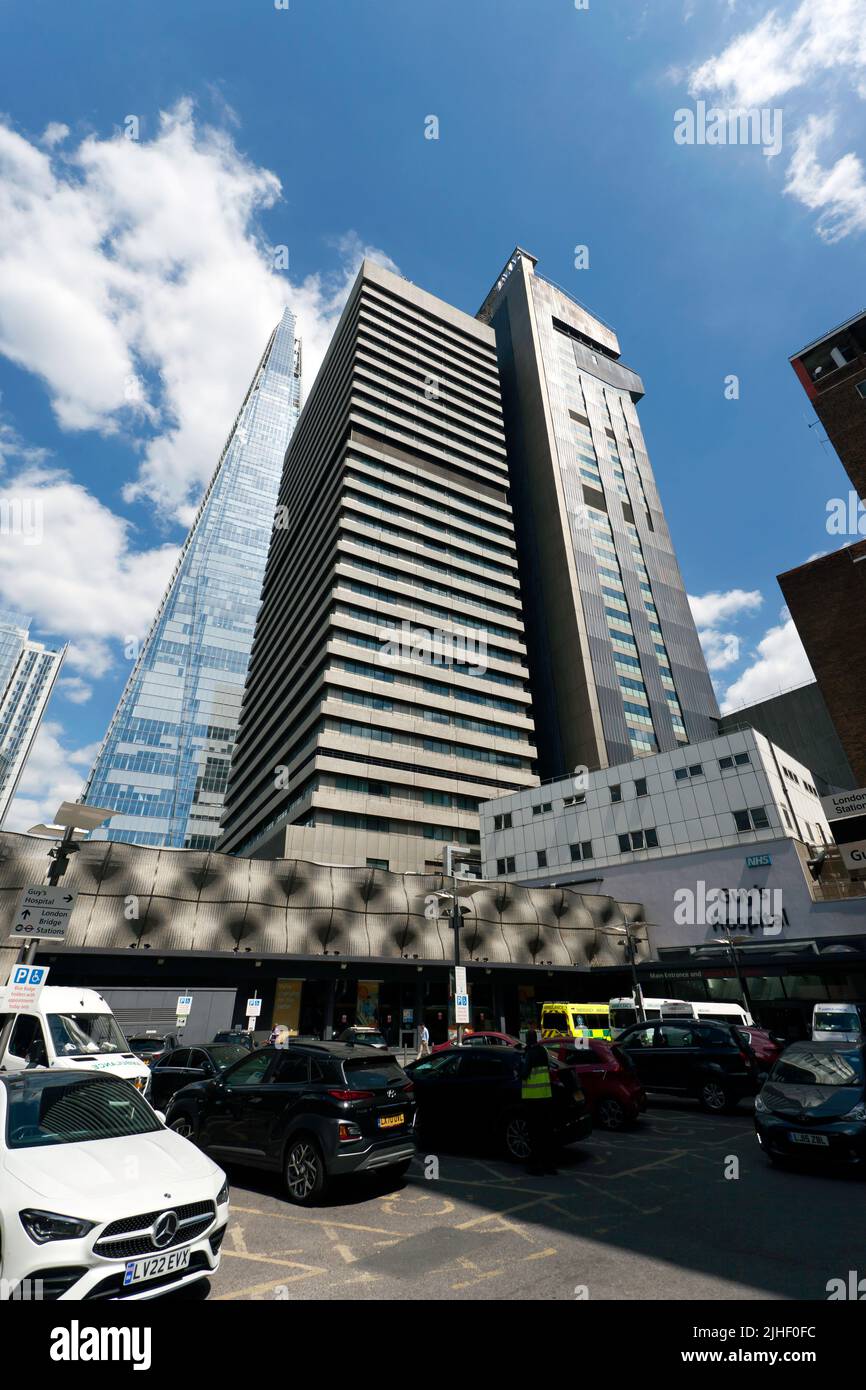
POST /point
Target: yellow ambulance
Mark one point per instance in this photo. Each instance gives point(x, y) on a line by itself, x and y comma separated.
point(575, 1021)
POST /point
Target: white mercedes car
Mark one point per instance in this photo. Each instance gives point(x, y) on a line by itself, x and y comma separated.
point(98, 1200)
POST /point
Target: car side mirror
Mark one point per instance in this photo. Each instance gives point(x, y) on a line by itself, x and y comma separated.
point(160, 1115)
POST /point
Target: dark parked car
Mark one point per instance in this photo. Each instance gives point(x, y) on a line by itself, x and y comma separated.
point(607, 1077)
point(362, 1037)
point(235, 1035)
point(150, 1046)
point(690, 1058)
point(187, 1064)
point(313, 1111)
point(472, 1094)
point(813, 1106)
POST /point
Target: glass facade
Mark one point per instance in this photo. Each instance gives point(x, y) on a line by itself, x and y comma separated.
point(164, 762)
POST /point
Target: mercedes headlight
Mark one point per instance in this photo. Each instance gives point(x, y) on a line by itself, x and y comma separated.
point(42, 1226)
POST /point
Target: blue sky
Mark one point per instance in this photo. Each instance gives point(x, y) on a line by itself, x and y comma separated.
point(137, 280)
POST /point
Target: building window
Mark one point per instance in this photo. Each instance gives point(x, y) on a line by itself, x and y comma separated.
point(543, 807)
point(681, 774)
point(754, 819)
point(786, 818)
point(377, 863)
point(542, 858)
point(577, 800)
point(616, 792)
point(725, 763)
point(741, 759)
point(640, 786)
point(502, 822)
point(505, 866)
point(741, 821)
point(696, 770)
point(638, 839)
point(581, 851)
point(860, 388)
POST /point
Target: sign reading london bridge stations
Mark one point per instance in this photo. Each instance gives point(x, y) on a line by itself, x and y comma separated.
point(184, 916)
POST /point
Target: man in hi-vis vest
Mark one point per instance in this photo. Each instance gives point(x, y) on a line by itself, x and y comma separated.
point(537, 1096)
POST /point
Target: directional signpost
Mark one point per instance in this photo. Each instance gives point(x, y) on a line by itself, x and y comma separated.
point(254, 1009)
point(43, 913)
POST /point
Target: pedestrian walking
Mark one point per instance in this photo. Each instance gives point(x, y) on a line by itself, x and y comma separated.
point(423, 1041)
point(536, 1094)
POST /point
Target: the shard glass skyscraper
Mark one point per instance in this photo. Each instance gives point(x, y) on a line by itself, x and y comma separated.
point(164, 761)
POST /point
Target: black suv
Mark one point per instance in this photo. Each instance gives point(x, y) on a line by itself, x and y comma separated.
point(313, 1111)
point(689, 1058)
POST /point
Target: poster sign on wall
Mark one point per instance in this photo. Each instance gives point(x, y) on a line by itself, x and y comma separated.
point(368, 1004)
point(287, 1004)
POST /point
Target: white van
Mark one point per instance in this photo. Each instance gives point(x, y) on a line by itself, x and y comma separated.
point(68, 1028)
point(839, 1023)
point(623, 1012)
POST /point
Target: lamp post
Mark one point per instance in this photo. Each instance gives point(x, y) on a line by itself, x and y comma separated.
point(630, 949)
point(72, 823)
point(732, 942)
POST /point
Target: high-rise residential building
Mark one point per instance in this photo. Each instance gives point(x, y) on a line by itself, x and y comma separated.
point(164, 761)
point(387, 694)
point(617, 667)
point(827, 595)
point(28, 671)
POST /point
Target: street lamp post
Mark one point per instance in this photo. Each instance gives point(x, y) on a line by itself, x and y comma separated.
point(630, 947)
point(76, 821)
point(731, 942)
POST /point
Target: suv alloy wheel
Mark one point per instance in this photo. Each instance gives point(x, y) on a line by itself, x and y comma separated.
point(305, 1171)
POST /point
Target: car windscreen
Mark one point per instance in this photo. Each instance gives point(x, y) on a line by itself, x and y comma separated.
point(369, 1038)
point(819, 1069)
point(829, 1021)
point(48, 1110)
point(83, 1035)
point(373, 1072)
point(227, 1053)
point(623, 1018)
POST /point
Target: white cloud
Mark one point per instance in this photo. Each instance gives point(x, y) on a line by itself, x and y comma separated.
point(81, 580)
point(815, 51)
point(721, 647)
point(54, 134)
point(786, 51)
point(136, 281)
point(710, 609)
point(74, 689)
point(52, 774)
point(780, 663)
point(837, 192)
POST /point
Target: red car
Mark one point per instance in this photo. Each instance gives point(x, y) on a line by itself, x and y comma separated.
point(761, 1044)
point(483, 1038)
point(609, 1081)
